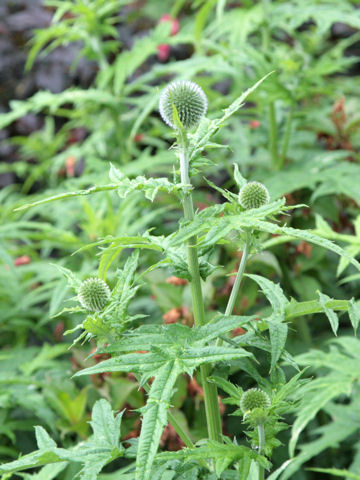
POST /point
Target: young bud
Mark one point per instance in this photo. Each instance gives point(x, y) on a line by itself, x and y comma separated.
point(253, 195)
point(93, 294)
point(190, 102)
point(254, 398)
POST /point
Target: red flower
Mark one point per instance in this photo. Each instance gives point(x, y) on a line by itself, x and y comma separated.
point(24, 260)
point(164, 49)
point(254, 124)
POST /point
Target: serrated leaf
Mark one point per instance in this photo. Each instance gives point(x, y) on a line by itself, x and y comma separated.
point(298, 309)
point(155, 417)
point(93, 454)
point(239, 179)
point(278, 335)
point(150, 186)
point(354, 314)
point(49, 472)
point(202, 136)
point(131, 362)
point(273, 293)
point(217, 451)
point(315, 396)
point(234, 392)
point(331, 315)
point(106, 429)
point(62, 196)
point(43, 439)
point(278, 330)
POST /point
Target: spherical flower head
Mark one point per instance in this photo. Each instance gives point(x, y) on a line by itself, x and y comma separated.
point(93, 294)
point(190, 102)
point(254, 398)
point(253, 195)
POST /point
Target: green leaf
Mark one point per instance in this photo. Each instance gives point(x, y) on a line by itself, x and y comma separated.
point(239, 179)
point(278, 331)
point(155, 417)
point(201, 138)
point(224, 454)
point(103, 447)
point(106, 428)
point(61, 196)
point(336, 472)
point(354, 314)
point(150, 186)
point(333, 318)
point(278, 336)
point(234, 393)
point(49, 472)
point(273, 293)
point(32, 460)
point(132, 362)
point(43, 439)
point(297, 309)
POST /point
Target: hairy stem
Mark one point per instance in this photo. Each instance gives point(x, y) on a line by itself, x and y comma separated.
point(261, 434)
point(210, 391)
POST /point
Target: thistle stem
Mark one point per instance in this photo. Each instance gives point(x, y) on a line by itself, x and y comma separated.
point(261, 434)
point(210, 391)
point(239, 276)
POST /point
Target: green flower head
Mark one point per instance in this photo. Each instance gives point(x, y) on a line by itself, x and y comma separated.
point(190, 102)
point(93, 294)
point(254, 398)
point(253, 195)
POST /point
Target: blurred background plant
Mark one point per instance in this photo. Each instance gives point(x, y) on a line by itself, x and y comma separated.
point(79, 88)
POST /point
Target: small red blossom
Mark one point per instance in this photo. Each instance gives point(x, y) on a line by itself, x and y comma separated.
point(163, 52)
point(164, 49)
point(139, 137)
point(24, 260)
point(174, 23)
point(70, 166)
point(254, 124)
point(177, 281)
point(172, 316)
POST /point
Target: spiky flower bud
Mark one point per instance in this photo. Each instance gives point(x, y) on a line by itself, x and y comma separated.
point(93, 294)
point(254, 398)
point(190, 102)
point(253, 195)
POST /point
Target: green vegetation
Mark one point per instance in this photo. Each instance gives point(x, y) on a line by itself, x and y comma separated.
point(179, 283)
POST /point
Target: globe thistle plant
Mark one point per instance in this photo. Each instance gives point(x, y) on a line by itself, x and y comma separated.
point(253, 195)
point(93, 294)
point(190, 102)
point(254, 398)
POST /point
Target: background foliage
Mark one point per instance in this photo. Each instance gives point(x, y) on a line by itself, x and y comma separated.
point(67, 121)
